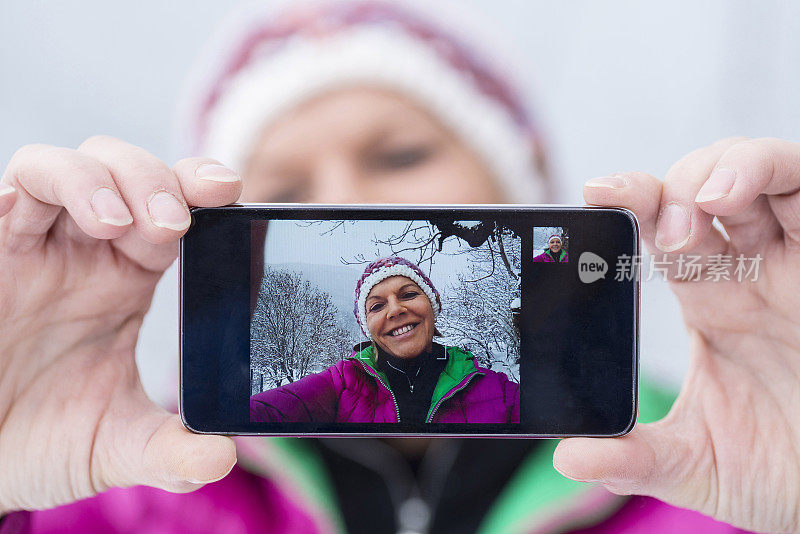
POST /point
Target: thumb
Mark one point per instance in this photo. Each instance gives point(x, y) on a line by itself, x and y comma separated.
point(164, 454)
point(644, 462)
point(180, 460)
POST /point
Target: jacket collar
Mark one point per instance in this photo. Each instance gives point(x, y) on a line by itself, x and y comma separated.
point(457, 372)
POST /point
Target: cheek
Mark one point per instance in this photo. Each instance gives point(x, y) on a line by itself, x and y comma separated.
point(373, 324)
point(425, 312)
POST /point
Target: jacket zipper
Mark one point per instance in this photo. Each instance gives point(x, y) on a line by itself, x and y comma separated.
point(380, 380)
point(452, 392)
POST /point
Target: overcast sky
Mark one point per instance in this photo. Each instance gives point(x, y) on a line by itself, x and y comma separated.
point(298, 242)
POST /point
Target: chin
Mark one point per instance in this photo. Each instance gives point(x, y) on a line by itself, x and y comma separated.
point(405, 352)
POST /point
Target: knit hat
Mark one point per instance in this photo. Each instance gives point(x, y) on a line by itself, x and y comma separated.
point(382, 269)
point(289, 57)
point(552, 236)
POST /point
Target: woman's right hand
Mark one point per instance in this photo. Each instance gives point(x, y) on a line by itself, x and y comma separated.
point(85, 236)
point(729, 446)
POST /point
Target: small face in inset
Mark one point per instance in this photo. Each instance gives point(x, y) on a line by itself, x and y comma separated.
point(400, 317)
point(555, 244)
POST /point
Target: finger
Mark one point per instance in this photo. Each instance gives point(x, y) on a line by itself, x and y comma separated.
point(754, 226)
point(650, 460)
point(8, 196)
point(48, 178)
point(641, 193)
point(207, 183)
point(158, 451)
point(204, 182)
point(626, 465)
point(681, 224)
point(750, 168)
point(636, 191)
point(151, 191)
point(179, 460)
point(155, 258)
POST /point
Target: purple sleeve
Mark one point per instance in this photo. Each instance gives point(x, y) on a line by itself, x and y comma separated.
point(16, 523)
point(511, 396)
point(540, 258)
point(313, 398)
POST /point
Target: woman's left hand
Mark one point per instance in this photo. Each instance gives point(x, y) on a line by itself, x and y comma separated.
point(730, 446)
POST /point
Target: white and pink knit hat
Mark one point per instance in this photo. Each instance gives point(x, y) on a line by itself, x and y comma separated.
point(283, 59)
point(380, 270)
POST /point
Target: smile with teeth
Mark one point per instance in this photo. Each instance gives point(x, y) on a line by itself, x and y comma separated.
point(402, 330)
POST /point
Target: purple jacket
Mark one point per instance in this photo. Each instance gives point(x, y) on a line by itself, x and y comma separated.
point(284, 489)
point(547, 257)
point(244, 502)
point(354, 391)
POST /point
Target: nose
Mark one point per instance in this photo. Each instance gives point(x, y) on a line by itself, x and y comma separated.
point(336, 180)
point(394, 308)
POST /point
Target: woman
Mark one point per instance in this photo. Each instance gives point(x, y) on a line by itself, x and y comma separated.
point(553, 253)
point(401, 375)
point(87, 233)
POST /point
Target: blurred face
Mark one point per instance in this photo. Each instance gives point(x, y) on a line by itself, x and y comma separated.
point(364, 145)
point(400, 317)
point(555, 245)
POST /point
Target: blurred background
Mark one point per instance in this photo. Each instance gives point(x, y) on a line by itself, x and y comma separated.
point(618, 85)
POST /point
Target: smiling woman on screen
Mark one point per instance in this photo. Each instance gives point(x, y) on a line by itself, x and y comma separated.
point(401, 374)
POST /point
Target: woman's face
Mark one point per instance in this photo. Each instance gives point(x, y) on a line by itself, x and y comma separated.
point(364, 145)
point(555, 245)
point(400, 317)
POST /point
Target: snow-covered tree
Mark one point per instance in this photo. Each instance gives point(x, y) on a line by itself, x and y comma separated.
point(479, 311)
point(294, 330)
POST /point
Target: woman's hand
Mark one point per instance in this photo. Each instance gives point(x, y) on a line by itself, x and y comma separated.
point(84, 236)
point(730, 447)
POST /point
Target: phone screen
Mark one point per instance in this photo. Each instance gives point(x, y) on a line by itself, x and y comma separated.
point(398, 320)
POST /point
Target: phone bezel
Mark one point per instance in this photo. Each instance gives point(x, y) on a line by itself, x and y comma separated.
point(421, 208)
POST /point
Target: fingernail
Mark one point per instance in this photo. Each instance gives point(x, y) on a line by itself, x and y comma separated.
point(166, 211)
point(195, 481)
point(6, 189)
point(109, 208)
point(576, 479)
point(718, 185)
point(672, 230)
point(216, 173)
point(609, 182)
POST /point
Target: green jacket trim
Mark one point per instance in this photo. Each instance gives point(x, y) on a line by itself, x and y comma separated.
point(294, 465)
point(460, 363)
point(538, 496)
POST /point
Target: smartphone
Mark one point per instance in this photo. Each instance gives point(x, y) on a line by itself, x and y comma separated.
point(399, 320)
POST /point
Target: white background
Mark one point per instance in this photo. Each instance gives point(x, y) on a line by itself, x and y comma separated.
point(618, 85)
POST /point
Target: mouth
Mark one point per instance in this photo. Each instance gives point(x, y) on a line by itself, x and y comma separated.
point(403, 330)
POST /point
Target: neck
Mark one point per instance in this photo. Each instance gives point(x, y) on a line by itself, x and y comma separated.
point(403, 364)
